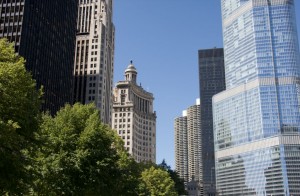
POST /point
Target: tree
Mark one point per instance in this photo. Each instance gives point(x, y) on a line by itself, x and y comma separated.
point(157, 182)
point(179, 183)
point(19, 119)
point(130, 171)
point(79, 156)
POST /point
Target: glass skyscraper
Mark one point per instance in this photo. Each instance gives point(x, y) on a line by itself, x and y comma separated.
point(257, 117)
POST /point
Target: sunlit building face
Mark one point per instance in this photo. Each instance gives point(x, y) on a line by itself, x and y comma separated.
point(257, 118)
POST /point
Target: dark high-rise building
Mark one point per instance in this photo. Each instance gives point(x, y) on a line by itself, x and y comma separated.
point(212, 81)
point(44, 33)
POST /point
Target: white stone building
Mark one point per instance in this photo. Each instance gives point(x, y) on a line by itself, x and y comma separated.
point(94, 59)
point(133, 117)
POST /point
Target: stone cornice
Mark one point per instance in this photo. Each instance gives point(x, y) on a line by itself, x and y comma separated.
point(138, 90)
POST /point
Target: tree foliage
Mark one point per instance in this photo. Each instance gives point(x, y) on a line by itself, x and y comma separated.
point(179, 183)
point(128, 182)
point(82, 156)
point(157, 182)
point(79, 155)
point(72, 153)
point(19, 119)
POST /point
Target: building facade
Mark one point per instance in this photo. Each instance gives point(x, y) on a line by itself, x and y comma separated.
point(194, 142)
point(181, 147)
point(188, 148)
point(194, 188)
point(94, 56)
point(212, 81)
point(44, 34)
point(134, 118)
point(257, 118)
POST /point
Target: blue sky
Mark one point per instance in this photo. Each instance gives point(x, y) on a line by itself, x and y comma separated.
point(163, 37)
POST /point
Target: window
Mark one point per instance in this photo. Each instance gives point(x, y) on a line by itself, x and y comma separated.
point(122, 99)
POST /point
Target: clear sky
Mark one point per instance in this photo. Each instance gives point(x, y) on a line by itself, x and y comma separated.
point(163, 37)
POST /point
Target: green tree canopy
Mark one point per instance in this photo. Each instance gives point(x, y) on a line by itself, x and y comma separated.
point(79, 156)
point(19, 119)
point(157, 182)
point(179, 183)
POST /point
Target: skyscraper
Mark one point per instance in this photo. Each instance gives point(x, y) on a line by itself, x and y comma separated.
point(44, 34)
point(188, 148)
point(257, 117)
point(181, 146)
point(94, 59)
point(134, 118)
point(194, 142)
point(212, 81)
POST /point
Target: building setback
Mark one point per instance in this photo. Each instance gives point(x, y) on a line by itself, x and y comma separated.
point(44, 34)
point(188, 148)
point(94, 59)
point(257, 117)
point(133, 117)
point(212, 81)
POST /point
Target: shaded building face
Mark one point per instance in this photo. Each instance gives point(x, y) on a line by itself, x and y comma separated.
point(44, 34)
point(257, 118)
point(212, 81)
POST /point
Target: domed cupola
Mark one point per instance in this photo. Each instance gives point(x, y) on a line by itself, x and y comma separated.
point(130, 73)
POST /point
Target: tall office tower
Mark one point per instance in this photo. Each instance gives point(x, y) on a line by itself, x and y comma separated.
point(44, 34)
point(181, 147)
point(188, 146)
point(212, 81)
point(94, 60)
point(133, 117)
point(257, 118)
